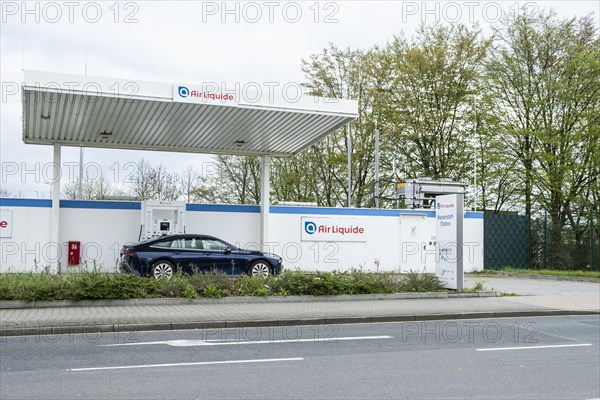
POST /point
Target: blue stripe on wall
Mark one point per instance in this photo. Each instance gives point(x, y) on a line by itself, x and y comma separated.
point(129, 205)
point(101, 204)
point(4, 202)
point(88, 204)
point(474, 214)
point(223, 208)
point(346, 211)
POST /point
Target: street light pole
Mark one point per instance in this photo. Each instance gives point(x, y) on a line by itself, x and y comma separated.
point(349, 139)
point(592, 241)
point(376, 198)
point(545, 239)
point(80, 189)
point(475, 166)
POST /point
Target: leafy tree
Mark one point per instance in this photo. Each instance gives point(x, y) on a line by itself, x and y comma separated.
point(544, 73)
point(291, 180)
point(237, 180)
point(342, 73)
point(497, 189)
point(523, 105)
point(429, 99)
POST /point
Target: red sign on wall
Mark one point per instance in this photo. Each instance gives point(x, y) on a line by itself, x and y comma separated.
point(5, 223)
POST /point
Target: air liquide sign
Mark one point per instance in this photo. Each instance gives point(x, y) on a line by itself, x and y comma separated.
point(5, 223)
point(322, 229)
point(204, 94)
point(449, 225)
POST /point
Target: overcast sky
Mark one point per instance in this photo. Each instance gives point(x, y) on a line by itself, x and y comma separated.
point(193, 42)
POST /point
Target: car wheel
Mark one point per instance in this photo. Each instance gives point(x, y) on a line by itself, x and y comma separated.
point(162, 269)
point(260, 268)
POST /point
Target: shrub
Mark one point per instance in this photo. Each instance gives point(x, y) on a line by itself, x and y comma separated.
point(174, 287)
point(96, 285)
point(212, 291)
point(415, 281)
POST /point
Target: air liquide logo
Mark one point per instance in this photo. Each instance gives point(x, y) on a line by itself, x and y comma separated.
point(5, 223)
point(310, 227)
point(204, 94)
point(183, 91)
point(333, 229)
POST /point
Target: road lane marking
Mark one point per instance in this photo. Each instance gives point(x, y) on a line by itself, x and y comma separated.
point(535, 347)
point(185, 364)
point(187, 343)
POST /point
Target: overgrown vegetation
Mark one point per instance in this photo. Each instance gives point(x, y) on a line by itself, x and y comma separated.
point(94, 285)
point(484, 272)
point(582, 274)
point(477, 288)
point(555, 272)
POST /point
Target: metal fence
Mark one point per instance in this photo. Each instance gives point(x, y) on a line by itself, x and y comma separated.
point(564, 246)
point(506, 242)
point(509, 241)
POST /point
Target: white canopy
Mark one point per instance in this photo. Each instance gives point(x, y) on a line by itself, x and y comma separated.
point(86, 111)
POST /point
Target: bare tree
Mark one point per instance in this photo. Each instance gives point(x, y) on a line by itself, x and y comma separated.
point(155, 183)
point(195, 187)
point(92, 189)
point(141, 186)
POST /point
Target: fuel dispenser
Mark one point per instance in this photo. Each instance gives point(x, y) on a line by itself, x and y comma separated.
point(161, 218)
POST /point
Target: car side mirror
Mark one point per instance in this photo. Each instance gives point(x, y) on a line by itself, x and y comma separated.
point(227, 250)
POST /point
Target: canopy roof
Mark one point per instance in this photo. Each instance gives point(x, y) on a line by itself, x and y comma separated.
point(77, 110)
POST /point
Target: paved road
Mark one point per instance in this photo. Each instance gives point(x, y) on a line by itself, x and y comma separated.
point(566, 295)
point(523, 358)
point(533, 287)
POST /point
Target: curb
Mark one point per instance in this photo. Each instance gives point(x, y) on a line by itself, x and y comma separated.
point(130, 329)
point(17, 304)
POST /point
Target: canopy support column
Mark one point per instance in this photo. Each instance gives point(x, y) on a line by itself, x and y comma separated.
point(265, 190)
point(55, 219)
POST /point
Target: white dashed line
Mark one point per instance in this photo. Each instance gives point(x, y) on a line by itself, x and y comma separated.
point(535, 347)
point(185, 364)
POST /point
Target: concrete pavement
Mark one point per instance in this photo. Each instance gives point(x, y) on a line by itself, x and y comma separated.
point(538, 299)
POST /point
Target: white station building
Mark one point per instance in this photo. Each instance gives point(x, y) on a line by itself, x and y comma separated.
point(84, 111)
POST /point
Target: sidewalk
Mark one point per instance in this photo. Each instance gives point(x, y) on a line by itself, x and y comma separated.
point(167, 314)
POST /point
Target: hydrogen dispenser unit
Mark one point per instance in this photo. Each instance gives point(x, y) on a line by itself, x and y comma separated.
point(161, 218)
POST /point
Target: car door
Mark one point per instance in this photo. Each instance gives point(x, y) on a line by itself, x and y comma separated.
point(192, 256)
point(182, 251)
point(220, 256)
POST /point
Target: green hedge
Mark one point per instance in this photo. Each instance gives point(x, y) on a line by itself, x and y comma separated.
point(95, 285)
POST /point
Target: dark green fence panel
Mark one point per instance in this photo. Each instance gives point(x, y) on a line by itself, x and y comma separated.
point(506, 242)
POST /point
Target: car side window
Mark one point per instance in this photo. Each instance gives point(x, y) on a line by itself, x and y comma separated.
point(164, 244)
point(178, 244)
point(213, 244)
point(187, 243)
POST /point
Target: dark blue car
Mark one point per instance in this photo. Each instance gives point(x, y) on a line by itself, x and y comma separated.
point(161, 257)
